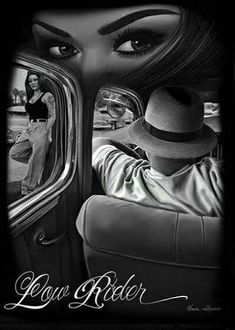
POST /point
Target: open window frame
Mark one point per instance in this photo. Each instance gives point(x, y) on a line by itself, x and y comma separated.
point(22, 212)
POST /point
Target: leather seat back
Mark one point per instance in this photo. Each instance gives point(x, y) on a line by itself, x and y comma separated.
point(171, 254)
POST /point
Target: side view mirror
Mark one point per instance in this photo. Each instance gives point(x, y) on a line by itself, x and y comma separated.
point(116, 109)
point(117, 101)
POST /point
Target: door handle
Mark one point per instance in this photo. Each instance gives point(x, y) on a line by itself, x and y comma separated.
point(41, 239)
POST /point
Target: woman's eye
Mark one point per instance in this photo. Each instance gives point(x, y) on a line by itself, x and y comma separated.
point(63, 51)
point(133, 46)
point(137, 42)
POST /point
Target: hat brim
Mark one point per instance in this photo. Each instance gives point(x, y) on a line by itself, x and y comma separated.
point(176, 150)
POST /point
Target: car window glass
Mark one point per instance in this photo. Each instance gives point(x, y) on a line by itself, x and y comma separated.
point(115, 110)
point(30, 141)
point(212, 113)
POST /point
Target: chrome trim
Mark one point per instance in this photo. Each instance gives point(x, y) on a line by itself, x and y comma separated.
point(129, 92)
point(27, 220)
point(42, 197)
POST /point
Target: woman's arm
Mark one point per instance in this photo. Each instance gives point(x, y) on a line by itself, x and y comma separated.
point(49, 100)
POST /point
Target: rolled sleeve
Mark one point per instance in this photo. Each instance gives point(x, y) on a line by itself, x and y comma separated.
point(108, 162)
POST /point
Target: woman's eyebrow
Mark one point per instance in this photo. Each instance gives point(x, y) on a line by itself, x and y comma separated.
point(123, 21)
point(52, 29)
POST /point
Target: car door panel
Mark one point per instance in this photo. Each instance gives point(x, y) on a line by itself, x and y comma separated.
point(42, 228)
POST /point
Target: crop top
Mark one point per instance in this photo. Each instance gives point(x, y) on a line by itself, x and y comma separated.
point(37, 109)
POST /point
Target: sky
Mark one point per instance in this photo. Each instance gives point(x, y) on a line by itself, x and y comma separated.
point(18, 79)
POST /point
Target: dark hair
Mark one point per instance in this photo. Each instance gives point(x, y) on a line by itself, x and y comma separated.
point(193, 53)
point(42, 82)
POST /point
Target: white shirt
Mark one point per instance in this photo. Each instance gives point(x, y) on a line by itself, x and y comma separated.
point(195, 189)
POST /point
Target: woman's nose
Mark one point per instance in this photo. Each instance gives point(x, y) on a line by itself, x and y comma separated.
point(92, 68)
point(95, 70)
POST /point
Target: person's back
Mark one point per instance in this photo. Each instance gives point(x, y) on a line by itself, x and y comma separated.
point(172, 139)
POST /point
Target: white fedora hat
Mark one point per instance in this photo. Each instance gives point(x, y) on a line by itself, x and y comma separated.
point(173, 125)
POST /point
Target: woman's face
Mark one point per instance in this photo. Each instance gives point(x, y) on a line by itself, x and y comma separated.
point(33, 82)
point(105, 43)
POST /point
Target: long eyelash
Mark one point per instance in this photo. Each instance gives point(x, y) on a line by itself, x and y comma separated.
point(46, 43)
point(134, 54)
point(138, 33)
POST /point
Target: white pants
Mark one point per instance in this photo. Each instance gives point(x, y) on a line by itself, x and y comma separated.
point(31, 147)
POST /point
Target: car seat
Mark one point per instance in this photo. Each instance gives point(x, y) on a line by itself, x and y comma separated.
point(170, 254)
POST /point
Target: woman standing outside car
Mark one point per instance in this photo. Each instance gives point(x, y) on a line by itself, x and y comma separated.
point(33, 143)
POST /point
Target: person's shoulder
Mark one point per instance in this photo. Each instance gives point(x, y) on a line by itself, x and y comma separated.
point(211, 166)
point(48, 97)
point(212, 162)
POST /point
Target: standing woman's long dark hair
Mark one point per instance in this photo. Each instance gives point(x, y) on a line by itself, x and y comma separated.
point(42, 82)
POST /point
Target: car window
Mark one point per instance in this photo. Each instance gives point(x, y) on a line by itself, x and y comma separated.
point(210, 95)
point(31, 142)
point(115, 109)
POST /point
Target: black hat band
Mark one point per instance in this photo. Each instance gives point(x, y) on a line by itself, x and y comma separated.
point(170, 136)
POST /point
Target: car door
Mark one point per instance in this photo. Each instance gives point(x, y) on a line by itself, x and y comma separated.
point(42, 231)
point(41, 225)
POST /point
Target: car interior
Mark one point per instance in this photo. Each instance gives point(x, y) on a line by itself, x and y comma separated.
point(163, 268)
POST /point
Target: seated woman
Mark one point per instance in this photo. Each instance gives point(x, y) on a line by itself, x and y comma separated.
point(33, 143)
point(173, 135)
